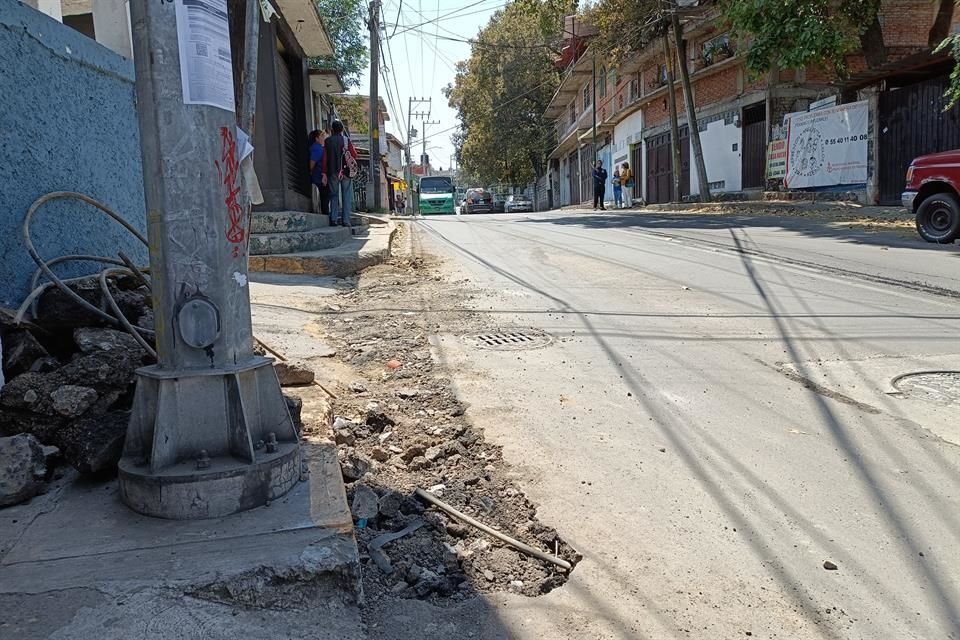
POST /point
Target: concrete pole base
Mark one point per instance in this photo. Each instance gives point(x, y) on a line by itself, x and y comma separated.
point(207, 443)
point(227, 486)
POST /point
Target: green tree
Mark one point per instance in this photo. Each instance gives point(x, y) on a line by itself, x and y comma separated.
point(502, 90)
point(346, 23)
point(353, 110)
point(794, 34)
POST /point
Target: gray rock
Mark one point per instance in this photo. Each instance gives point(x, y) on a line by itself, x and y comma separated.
point(413, 451)
point(380, 454)
point(365, 503)
point(146, 321)
point(427, 583)
point(20, 351)
point(23, 468)
point(94, 444)
point(295, 407)
point(57, 311)
point(829, 566)
point(408, 393)
point(418, 463)
point(354, 468)
point(390, 503)
point(45, 365)
point(345, 436)
point(488, 575)
point(71, 400)
point(293, 373)
point(358, 387)
point(434, 453)
point(109, 374)
point(93, 339)
point(339, 422)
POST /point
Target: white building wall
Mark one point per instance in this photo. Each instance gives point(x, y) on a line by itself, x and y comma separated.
point(625, 134)
point(722, 152)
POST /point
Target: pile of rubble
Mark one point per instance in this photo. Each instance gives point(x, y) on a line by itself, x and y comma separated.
point(400, 427)
point(69, 377)
point(69, 385)
point(418, 552)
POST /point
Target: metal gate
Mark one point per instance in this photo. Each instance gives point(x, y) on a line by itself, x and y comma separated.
point(660, 167)
point(912, 123)
point(573, 167)
point(586, 174)
point(754, 156)
point(294, 157)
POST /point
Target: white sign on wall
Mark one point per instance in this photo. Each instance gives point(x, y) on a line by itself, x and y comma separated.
point(828, 147)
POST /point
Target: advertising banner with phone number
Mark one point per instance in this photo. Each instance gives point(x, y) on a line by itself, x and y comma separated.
point(828, 147)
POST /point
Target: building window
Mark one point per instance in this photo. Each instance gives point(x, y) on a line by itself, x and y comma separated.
point(635, 88)
point(573, 112)
point(586, 97)
point(603, 82)
point(717, 49)
point(612, 77)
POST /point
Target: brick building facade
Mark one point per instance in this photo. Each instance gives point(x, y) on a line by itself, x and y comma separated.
point(738, 115)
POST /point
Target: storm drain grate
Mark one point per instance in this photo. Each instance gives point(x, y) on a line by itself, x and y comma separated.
point(937, 387)
point(511, 340)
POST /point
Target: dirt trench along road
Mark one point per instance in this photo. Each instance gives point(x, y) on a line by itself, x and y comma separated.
point(715, 412)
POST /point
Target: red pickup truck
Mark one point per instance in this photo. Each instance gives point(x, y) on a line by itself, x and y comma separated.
point(933, 195)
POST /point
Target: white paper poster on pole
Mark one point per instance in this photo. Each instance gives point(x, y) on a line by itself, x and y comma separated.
point(206, 68)
point(828, 147)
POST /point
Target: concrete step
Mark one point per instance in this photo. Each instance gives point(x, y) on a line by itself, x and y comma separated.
point(349, 258)
point(286, 221)
point(262, 244)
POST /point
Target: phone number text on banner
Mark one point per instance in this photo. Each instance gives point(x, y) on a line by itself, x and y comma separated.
point(828, 147)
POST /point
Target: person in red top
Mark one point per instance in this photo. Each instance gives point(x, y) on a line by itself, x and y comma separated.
point(339, 166)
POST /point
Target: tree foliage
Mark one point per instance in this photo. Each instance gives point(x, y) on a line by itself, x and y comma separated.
point(353, 111)
point(346, 23)
point(794, 34)
point(502, 90)
point(623, 26)
point(952, 45)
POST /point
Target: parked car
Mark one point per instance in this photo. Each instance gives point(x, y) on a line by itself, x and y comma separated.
point(933, 195)
point(478, 201)
point(499, 203)
point(519, 202)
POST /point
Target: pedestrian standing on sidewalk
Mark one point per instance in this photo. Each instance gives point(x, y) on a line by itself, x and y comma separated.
point(317, 138)
point(339, 166)
point(599, 185)
point(626, 179)
point(617, 190)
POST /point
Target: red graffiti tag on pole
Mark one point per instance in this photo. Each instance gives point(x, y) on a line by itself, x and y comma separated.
point(229, 169)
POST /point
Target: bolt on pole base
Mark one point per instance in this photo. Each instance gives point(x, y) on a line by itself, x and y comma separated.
point(210, 443)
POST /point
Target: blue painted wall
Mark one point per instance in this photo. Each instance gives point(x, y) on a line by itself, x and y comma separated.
point(67, 123)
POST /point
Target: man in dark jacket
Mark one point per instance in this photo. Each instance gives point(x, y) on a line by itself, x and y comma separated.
point(337, 173)
point(599, 185)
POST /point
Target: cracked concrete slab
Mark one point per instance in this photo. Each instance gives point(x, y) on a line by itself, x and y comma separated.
point(82, 565)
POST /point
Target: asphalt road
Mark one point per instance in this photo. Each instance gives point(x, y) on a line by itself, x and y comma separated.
point(715, 419)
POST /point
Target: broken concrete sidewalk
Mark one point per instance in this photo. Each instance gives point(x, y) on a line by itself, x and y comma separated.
point(75, 563)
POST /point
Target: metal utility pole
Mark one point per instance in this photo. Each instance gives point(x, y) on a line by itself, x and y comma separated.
point(411, 134)
point(593, 100)
point(423, 159)
point(674, 126)
point(704, 183)
point(373, 188)
point(210, 433)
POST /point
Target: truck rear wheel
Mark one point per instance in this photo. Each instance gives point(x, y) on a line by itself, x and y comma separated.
point(938, 218)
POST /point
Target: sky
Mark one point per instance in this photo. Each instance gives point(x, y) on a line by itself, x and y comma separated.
point(420, 63)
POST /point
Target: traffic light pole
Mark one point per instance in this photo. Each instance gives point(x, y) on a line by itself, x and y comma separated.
point(210, 433)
